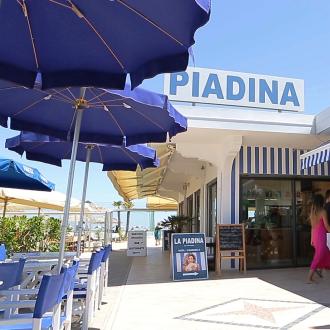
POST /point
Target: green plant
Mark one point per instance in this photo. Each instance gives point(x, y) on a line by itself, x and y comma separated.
point(23, 234)
point(52, 235)
point(175, 223)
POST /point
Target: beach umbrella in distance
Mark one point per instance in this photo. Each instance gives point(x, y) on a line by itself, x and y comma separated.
point(84, 43)
point(52, 150)
point(16, 175)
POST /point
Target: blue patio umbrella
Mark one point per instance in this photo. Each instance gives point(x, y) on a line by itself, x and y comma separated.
point(109, 116)
point(16, 175)
point(88, 43)
point(90, 115)
point(52, 150)
point(48, 149)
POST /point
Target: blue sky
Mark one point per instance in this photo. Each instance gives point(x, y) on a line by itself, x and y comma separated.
point(289, 38)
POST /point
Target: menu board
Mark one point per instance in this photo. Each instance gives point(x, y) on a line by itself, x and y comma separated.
point(231, 237)
point(230, 244)
point(137, 243)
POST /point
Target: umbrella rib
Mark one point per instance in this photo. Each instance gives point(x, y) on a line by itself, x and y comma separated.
point(93, 98)
point(63, 95)
point(109, 112)
point(69, 90)
point(76, 10)
point(109, 101)
point(8, 88)
point(129, 155)
point(147, 118)
point(60, 4)
point(151, 22)
point(26, 14)
point(100, 153)
point(32, 104)
point(28, 107)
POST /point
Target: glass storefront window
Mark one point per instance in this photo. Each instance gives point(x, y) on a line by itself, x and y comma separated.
point(267, 211)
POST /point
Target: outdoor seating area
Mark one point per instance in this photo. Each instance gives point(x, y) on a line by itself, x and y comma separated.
point(35, 295)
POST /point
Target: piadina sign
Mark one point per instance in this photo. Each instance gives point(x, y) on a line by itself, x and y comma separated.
point(198, 85)
point(188, 255)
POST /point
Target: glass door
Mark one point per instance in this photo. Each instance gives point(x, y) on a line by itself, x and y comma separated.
point(267, 211)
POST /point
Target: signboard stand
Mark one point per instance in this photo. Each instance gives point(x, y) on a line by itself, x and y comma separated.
point(188, 256)
point(230, 244)
point(137, 243)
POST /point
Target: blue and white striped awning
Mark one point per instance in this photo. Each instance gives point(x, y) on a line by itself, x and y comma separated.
point(315, 157)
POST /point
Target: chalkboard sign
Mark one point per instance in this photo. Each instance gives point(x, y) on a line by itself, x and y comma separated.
point(230, 237)
point(230, 244)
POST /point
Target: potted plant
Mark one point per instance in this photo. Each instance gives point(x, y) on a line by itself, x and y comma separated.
point(173, 224)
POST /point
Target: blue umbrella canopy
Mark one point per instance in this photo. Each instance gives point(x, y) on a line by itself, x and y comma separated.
point(51, 150)
point(17, 175)
point(109, 116)
point(84, 43)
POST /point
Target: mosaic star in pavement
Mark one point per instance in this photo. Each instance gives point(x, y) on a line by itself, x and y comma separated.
point(258, 311)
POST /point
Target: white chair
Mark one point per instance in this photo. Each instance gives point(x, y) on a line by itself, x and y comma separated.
point(47, 306)
point(87, 289)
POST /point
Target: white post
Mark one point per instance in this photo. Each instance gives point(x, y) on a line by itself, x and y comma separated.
point(79, 112)
point(83, 198)
point(110, 229)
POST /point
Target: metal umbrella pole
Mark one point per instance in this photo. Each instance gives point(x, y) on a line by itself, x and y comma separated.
point(5, 208)
point(79, 112)
point(83, 198)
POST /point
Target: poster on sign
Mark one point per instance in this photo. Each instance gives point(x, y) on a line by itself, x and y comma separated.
point(189, 260)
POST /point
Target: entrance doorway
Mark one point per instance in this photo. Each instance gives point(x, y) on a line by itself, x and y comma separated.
point(276, 215)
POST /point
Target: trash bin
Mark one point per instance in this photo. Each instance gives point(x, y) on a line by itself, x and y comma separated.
point(167, 239)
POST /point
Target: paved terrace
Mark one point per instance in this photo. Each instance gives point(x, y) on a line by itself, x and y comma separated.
point(143, 296)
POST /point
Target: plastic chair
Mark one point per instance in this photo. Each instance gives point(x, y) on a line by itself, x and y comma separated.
point(11, 274)
point(49, 296)
point(104, 270)
point(89, 291)
point(3, 252)
point(68, 287)
point(11, 278)
point(52, 290)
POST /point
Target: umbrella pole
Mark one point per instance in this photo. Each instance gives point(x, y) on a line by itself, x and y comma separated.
point(4, 208)
point(79, 114)
point(83, 198)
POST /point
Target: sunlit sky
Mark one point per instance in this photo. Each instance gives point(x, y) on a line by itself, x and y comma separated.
point(287, 38)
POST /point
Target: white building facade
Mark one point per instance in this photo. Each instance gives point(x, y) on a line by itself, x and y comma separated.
point(242, 165)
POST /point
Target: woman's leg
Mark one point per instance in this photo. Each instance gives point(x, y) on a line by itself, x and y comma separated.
point(310, 276)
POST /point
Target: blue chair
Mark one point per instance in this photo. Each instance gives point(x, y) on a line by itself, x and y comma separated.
point(49, 296)
point(89, 292)
point(104, 271)
point(47, 307)
point(3, 252)
point(11, 274)
point(68, 287)
point(11, 277)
